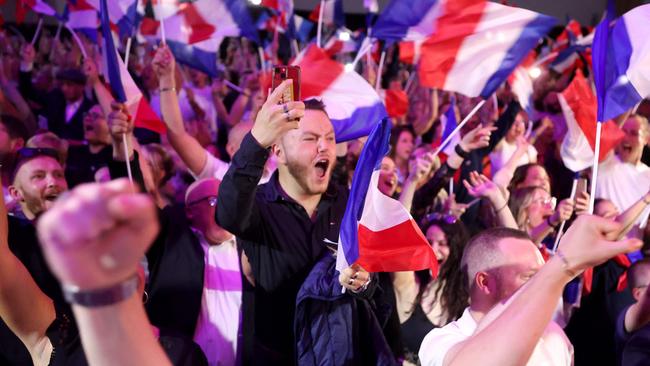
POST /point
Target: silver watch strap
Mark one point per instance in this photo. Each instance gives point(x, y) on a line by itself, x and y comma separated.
point(103, 296)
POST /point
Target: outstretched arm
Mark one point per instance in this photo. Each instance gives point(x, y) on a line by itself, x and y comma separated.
point(188, 148)
point(512, 336)
point(93, 240)
point(23, 306)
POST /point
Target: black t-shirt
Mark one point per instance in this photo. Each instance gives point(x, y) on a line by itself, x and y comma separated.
point(82, 165)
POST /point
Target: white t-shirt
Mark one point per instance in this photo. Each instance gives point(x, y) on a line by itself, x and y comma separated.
point(624, 184)
point(504, 151)
point(553, 348)
point(217, 168)
point(217, 328)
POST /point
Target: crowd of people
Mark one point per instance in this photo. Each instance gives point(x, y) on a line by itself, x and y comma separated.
point(221, 249)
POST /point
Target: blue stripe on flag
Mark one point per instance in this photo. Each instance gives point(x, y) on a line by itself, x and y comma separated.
point(241, 16)
point(195, 57)
point(451, 123)
point(373, 152)
point(528, 39)
point(359, 124)
point(620, 94)
point(393, 23)
point(110, 55)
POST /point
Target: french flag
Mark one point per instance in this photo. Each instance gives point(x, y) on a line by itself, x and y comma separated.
point(122, 85)
point(397, 102)
point(81, 16)
point(377, 232)
point(468, 46)
point(578, 104)
point(351, 103)
point(333, 13)
point(122, 13)
point(37, 6)
point(300, 28)
point(450, 124)
point(621, 55)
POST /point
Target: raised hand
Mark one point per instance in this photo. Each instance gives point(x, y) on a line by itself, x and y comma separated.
point(27, 54)
point(477, 138)
point(163, 64)
point(95, 236)
point(274, 120)
point(590, 241)
point(582, 203)
point(119, 121)
point(481, 186)
point(563, 212)
point(419, 169)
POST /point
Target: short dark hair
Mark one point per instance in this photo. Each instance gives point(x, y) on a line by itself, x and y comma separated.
point(15, 127)
point(314, 104)
point(26, 154)
point(639, 273)
point(482, 250)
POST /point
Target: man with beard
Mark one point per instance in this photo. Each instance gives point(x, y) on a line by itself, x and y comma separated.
point(623, 178)
point(37, 181)
point(285, 225)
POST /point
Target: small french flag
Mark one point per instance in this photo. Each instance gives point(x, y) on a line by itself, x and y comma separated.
point(377, 232)
point(621, 55)
point(122, 84)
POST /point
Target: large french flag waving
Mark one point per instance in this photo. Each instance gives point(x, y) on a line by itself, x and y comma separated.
point(122, 84)
point(467, 46)
point(351, 103)
point(377, 232)
point(578, 104)
point(621, 55)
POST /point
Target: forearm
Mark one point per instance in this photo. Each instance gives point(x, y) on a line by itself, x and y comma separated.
point(629, 216)
point(14, 96)
point(503, 213)
point(238, 109)
point(513, 335)
point(503, 177)
point(222, 112)
point(104, 96)
point(237, 211)
point(538, 233)
point(408, 191)
point(118, 334)
point(25, 309)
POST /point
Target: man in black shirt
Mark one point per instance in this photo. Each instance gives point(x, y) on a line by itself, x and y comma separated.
point(285, 225)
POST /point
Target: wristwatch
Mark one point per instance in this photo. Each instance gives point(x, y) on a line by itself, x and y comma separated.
point(103, 296)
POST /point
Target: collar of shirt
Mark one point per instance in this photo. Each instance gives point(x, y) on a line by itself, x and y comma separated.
point(275, 193)
point(204, 243)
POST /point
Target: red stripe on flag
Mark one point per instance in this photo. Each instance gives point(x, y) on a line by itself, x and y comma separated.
point(582, 101)
point(149, 26)
point(200, 30)
point(399, 248)
point(318, 72)
point(397, 103)
point(79, 5)
point(145, 117)
point(407, 52)
point(438, 53)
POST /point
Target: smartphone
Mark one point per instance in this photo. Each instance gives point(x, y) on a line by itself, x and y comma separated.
point(282, 73)
point(581, 186)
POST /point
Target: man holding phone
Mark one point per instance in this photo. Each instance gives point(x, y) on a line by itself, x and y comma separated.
point(285, 224)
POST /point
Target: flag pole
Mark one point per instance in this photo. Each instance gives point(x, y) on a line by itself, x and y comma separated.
point(125, 141)
point(163, 36)
point(260, 51)
point(57, 35)
point(320, 23)
point(39, 28)
point(381, 66)
point(296, 48)
point(457, 129)
point(365, 47)
point(594, 174)
point(451, 186)
point(558, 236)
point(78, 41)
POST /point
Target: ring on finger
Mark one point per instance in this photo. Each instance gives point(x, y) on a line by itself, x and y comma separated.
point(285, 109)
point(351, 281)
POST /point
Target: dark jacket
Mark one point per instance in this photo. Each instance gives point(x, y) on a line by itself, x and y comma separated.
point(51, 105)
point(333, 328)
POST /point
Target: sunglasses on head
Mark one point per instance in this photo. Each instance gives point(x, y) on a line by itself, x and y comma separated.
point(31, 152)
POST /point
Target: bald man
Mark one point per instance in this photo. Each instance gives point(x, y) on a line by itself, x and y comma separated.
point(633, 324)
